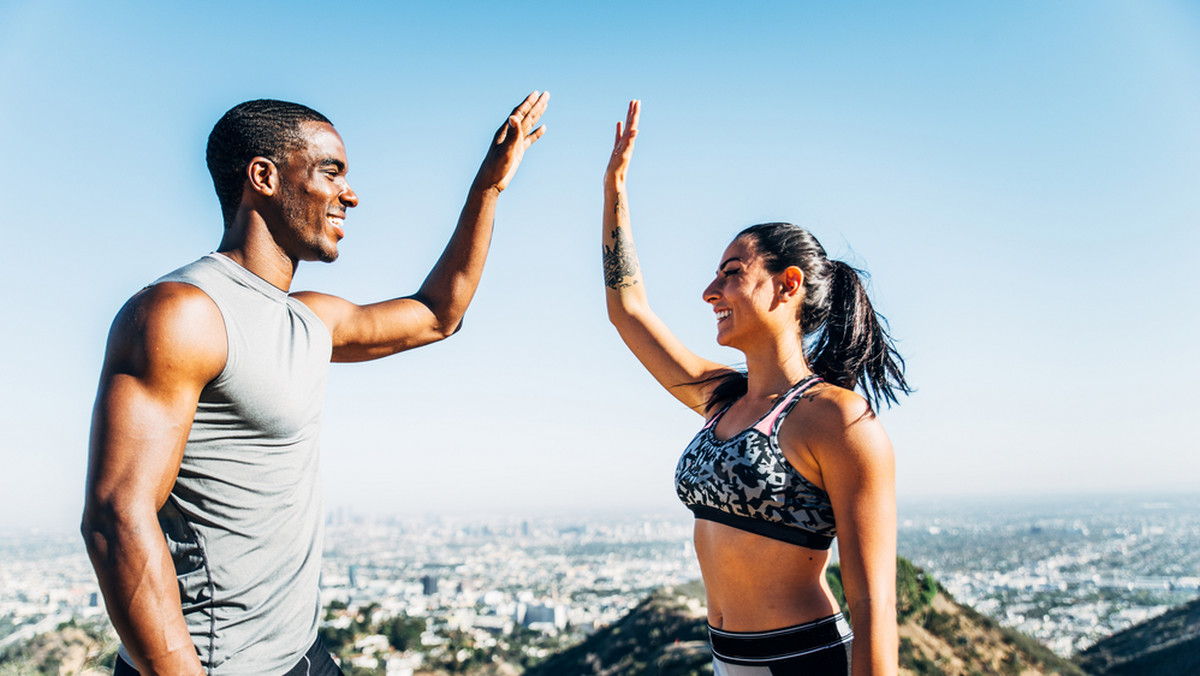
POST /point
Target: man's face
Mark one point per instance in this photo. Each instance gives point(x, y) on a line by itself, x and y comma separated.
point(314, 195)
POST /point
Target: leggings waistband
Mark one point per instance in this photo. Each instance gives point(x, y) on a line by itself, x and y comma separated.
point(755, 647)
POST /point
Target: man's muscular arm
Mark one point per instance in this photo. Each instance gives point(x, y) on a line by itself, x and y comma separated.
point(166, 344)
point(362, 332)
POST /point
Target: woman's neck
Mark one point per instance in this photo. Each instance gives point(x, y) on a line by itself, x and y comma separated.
point(771, 372)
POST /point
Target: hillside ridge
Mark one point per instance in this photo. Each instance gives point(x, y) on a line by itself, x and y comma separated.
point(666, 635)
point(1167, 644)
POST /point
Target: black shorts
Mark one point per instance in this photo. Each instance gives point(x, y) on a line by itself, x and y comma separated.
point(316, 662)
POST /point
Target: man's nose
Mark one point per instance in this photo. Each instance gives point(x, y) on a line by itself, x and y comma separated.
point(349, 197)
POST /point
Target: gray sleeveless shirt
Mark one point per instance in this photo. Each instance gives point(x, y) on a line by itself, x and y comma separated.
point(244, 521)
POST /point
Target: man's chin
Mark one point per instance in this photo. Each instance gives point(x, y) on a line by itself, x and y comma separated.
point(324, 254)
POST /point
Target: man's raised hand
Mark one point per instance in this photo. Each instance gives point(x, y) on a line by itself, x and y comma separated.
point(508, 145)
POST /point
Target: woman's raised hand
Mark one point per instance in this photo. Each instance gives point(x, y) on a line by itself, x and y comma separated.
point(618, 164)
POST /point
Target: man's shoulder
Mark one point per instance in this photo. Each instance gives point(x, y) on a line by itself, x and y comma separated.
point(171, 300)
point(170, 322)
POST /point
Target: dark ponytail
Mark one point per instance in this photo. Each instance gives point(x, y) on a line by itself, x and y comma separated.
point(853, 347)
point(846, 341)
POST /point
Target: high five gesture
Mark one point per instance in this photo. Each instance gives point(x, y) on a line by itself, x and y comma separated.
point(517, 133)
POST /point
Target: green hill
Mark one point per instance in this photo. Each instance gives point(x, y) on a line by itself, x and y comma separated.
point(1167, 644)
point(666, 635)
point(86, 649)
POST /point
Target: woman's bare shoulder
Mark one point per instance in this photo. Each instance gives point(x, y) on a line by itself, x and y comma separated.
point(835, 421)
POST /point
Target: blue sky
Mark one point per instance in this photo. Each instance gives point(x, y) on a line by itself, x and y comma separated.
point(1019, 178)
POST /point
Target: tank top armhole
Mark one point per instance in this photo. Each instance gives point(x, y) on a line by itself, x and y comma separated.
point(313, 321)
point(301, 308)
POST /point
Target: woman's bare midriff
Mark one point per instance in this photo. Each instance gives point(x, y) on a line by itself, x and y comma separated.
point(754, 583)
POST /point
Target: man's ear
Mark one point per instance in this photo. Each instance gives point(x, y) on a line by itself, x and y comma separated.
point(262, 176)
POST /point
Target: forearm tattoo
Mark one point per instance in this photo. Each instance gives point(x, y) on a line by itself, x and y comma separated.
point(620, 261)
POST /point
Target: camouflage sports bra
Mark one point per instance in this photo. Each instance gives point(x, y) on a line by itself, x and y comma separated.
point(746, 482)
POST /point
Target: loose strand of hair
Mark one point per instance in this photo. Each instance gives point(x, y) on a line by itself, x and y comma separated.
point(730, 385)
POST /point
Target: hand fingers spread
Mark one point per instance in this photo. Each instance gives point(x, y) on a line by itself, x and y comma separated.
point(535, 135)
point(534, 113)
point(524, 106)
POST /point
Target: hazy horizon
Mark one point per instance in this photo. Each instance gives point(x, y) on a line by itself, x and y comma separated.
point(908, 507)
point(1018, 179)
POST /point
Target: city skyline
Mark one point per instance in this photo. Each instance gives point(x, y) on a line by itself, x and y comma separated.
point(1019, 181)
point(1065, 571)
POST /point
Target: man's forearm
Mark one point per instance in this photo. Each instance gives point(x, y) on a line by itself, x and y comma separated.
point(451, 285)
point(137, 578)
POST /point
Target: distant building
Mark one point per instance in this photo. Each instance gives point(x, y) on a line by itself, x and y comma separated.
point(429, 585)
point(550, 614)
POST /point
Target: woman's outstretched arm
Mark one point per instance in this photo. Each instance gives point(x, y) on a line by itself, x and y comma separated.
point(683, 373)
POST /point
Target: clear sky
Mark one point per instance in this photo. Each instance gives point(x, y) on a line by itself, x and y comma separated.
point(1021, 179)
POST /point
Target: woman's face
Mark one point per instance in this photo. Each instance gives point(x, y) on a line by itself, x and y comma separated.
point(742, 295)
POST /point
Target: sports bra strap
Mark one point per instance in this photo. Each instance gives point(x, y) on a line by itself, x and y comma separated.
point(769, 425)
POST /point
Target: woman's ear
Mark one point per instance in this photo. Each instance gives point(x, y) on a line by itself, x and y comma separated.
point(792, 282)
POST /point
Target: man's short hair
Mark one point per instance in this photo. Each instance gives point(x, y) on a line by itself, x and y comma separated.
point(260, 128)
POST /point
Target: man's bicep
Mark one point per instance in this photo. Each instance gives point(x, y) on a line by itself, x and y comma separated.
point(166, 344)
point(138, 436)
point(364, 332)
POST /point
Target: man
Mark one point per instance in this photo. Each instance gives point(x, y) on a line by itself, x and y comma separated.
point(203, 515)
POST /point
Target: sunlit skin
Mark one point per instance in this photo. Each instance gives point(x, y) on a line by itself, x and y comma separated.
point(168, 342)
point(314, 197)
point(755, 583)
point(740, 288)
point(831, 437)
point(294, 211)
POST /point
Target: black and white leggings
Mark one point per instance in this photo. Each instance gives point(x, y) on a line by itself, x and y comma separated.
point(817, 648)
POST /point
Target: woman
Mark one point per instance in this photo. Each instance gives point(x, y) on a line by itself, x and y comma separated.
point(789, 455)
